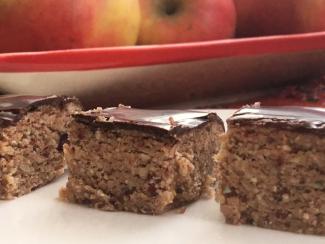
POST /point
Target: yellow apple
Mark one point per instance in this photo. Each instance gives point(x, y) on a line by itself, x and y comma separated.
point(175, 21)
point(36, 25)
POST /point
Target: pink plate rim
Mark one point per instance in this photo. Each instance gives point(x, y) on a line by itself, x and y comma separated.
point(131, 56)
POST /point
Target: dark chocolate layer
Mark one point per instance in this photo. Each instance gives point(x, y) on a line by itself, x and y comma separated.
point(300, 118)
point(13, 107)
point(161, 121)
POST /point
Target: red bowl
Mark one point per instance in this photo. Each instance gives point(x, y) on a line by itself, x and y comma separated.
point(165, 73)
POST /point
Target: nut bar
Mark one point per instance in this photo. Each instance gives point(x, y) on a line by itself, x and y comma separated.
point(144, 161)
point(32, 133)
point(272, 169)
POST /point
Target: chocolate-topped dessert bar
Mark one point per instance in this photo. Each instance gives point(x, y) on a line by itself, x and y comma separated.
point(272, 169)
point(32, 133)
point(144, 161)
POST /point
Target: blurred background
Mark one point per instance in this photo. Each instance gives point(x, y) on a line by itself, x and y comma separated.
point(166, 53)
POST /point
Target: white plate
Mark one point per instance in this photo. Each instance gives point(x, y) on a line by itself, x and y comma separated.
point(40, 218)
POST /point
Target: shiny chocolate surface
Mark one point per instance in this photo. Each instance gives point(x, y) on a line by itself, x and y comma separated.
point(162, 120)
point(13, 107)
point(307, 118)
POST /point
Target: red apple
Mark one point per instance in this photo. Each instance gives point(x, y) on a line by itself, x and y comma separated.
point(312, 15)
point(174, 21)
point(272, 17)
point(36, 25)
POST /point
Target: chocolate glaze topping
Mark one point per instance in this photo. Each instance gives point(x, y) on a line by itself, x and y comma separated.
point(161, 121)
point(13, 107)
point(301, 118)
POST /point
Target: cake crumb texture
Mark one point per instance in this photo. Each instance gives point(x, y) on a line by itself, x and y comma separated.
point(273, 177)
point(128, 169)
point(31, 153)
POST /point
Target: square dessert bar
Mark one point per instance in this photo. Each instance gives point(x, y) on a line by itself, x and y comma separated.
point(144, 161)
point(32, 133)
point(272, 169)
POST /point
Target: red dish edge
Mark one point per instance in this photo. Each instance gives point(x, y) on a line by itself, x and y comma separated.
point(101, 58)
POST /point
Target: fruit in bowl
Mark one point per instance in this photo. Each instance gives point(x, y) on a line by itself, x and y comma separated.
point(175, 21)
point(272, 17)
point(37, 25)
